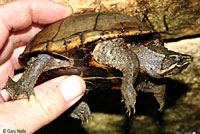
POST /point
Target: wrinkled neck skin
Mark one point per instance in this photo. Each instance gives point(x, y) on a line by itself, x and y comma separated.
point(150, 62)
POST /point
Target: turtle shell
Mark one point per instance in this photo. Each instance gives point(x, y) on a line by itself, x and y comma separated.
point(73, 33)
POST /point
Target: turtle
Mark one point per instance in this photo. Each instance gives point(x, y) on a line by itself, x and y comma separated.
point(99, 45)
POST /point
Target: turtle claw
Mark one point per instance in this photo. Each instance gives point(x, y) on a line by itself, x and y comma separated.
point(162, 104)
point(130, 109)
point(18, 90)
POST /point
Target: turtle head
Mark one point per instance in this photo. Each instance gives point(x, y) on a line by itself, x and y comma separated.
point(174, 63)
point(157, 61)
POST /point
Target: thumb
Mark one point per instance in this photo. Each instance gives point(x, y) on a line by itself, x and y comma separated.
point(52, 99)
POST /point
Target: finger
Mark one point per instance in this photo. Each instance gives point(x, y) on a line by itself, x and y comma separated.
point(7, 69)
point(17, 39)
point(1, 99)
point(28, 11)
point(51, 100)
point(24, 36)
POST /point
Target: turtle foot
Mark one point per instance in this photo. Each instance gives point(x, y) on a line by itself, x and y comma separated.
point(160, 97)
point(82, 112)
point(129, 98)
point(18, 89)
point(158, 90)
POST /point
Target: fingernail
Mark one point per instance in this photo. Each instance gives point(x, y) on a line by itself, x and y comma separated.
point(72, 87)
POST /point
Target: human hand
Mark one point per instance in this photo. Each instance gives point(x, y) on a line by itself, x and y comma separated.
point(19, 22)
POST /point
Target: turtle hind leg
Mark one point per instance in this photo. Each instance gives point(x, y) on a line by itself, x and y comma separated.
point(82, 112)
point(129, 94)
point(23, 88)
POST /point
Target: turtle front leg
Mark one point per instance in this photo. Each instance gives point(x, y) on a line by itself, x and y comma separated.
point(128, 91)
point(158, 90)
point(115, 53)
point(23, 88)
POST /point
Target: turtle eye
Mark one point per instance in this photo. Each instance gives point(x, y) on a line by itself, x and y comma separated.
point(174, 59)
point(180, 61)
point(177, 59)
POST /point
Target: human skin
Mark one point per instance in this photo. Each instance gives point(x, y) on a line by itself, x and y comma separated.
point(19, 22)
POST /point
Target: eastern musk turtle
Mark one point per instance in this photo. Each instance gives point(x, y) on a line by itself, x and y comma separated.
point(83, 44)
